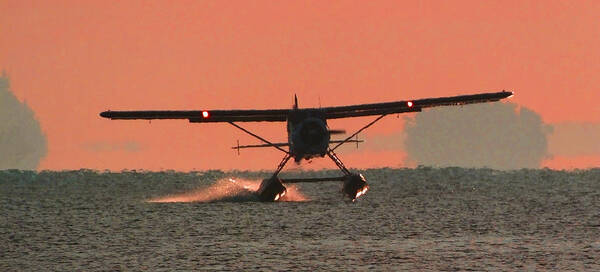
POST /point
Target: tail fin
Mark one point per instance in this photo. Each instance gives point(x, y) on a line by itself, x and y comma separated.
point(295, 102)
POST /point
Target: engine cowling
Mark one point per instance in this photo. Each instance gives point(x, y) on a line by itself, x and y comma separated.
point(310, 138)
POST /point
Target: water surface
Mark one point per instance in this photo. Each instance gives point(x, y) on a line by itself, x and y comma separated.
point(424, 218)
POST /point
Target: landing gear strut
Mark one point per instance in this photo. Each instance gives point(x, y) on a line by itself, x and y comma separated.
point(355, 184)
point(272, 189)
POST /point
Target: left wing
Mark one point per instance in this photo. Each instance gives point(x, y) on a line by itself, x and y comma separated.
point(197, 116)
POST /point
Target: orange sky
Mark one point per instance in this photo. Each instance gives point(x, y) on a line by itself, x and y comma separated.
point(69, 60)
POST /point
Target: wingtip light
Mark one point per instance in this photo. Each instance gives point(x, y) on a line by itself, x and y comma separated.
point(205, 114)
point(409, 104)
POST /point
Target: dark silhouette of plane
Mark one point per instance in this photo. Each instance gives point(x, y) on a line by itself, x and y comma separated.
point(308, 133)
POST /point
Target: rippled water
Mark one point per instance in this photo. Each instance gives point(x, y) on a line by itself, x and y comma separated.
point(424, 218)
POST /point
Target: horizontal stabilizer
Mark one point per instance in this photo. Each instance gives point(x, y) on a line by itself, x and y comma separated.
point(337, 131)
point(259, 145)
point(287, 144)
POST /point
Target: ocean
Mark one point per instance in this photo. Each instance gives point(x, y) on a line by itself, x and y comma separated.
point(450, 219)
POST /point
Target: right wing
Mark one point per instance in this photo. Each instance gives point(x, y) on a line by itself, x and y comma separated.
point(410, 105)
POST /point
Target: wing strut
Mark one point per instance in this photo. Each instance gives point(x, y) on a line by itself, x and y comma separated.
point(358, 131)
point(258, 137)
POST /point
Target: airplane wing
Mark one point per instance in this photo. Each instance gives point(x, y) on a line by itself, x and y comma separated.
point(198, 116)
point(280, 115)
point(411, 105)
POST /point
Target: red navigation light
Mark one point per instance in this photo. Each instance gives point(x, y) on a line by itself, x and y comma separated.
point(409, 104)
point(205, 114)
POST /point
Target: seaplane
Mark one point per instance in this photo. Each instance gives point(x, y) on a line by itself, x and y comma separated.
point(308, 133)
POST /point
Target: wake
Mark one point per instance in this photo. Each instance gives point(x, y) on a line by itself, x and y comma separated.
point(228, 190)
